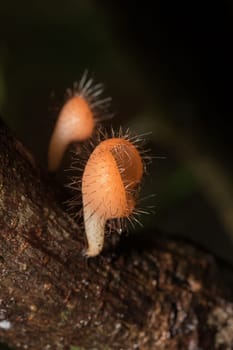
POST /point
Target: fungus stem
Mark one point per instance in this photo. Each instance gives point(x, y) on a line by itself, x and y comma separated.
point(94, 227)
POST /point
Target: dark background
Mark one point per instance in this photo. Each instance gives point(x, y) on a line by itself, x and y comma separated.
point(168, 68)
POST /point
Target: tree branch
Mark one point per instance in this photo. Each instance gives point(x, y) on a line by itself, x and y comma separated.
point(144, 294)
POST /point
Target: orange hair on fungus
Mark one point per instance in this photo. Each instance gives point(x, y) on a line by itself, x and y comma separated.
point(77, 118)
point(110, 182)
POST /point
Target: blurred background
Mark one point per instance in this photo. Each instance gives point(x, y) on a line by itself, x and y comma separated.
point(168, 68)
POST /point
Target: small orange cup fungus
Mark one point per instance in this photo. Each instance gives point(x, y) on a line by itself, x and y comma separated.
point(77, 119)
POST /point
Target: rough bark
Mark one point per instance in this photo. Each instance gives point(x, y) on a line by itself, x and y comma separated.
point(142, 294)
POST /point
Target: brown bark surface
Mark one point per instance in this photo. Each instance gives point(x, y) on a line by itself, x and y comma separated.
point(143, 294)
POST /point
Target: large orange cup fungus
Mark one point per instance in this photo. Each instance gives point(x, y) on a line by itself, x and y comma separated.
point(109, 181)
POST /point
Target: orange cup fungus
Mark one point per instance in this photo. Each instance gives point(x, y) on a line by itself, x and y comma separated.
point(75, 123)
point(77, 119)
point(109, 181)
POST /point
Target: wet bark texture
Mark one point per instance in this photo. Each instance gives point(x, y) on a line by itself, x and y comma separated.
point(143, 294)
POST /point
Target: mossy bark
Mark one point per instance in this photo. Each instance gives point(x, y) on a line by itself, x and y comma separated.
point(142, 294)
